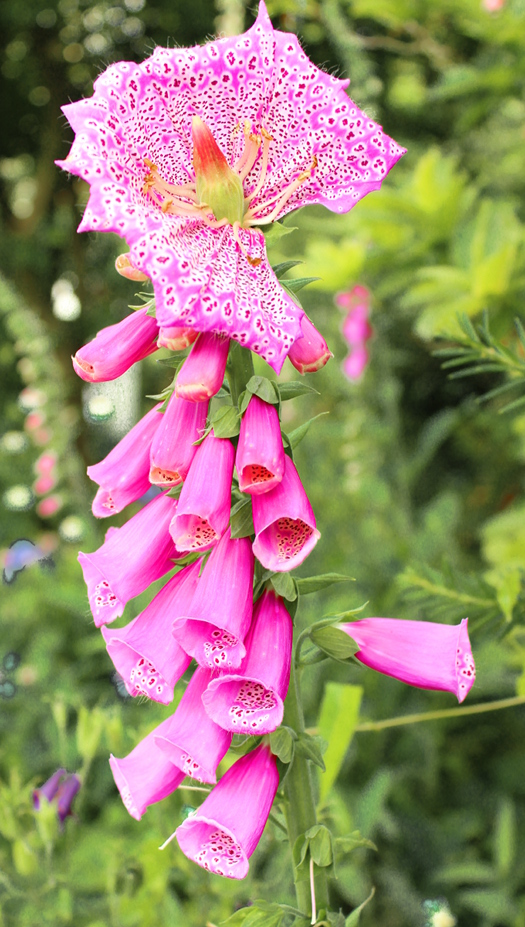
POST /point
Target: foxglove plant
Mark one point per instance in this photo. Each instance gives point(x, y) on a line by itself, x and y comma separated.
point(191, 156)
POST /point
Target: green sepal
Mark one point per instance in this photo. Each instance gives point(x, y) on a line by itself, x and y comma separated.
point(174, 361)
point(151, 311)
point(262, 387)
point(225, 422)
point(297, 283)
point(241, 519)
point(282, 743)
point(335, 643)
point(296, 436)
point(282, 268)
point(311, 748)
point(294, 388)
point(285, 586)
point(309, 584)
point(175, 491)
point(275, 231)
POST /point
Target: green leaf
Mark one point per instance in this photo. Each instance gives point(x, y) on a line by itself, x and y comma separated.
point(310, 748)
point(264, 388)
point(275, 231)
point(334, 642)
point(241, 519)
point(297, 283)
point(308, 584)
point(297, 435)
point(280, 269)
point(225, 422)
point(294, 388)
point(352, 842)
point(285, 586)
point(174, 361)
point(353, 918)
point(175, 491)
point(321, 845)
point(282, 743)
point(336, 918)
point(338, 720)
point(151, 311)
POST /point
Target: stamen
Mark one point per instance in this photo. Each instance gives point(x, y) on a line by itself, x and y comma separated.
point(252, 147)
point(250, 217)
point(247, 131)
point(267, 139)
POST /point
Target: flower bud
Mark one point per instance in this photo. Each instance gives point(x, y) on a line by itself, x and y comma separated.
point(310, 352)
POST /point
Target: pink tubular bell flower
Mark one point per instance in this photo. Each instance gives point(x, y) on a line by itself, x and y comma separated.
point(204, 506)
point(202, 373)
point(145, 775)
point(190, 152)
point(191, 740)
point(421, 653)
point(215, 625)
point(310, 352)
point(130, 559)
point(354, 365)
point(251, 700)
point(173, 447)
point(223, 833)
point(284, 522)
point(145, 652)
point(176, 337)
point(123, 475)
point(260, 454)
point(116, 348)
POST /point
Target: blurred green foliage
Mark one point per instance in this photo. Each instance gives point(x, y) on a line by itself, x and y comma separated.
point(418, 489)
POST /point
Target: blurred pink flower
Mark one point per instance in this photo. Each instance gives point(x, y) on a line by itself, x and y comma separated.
point(356, 329)
point(49, 506)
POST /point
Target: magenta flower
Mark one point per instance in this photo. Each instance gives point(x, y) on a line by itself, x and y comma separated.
point(284, 522)
point(356, 328)
point(204, 506)
point(191, 740)
point(223, 833)
point(173, 447)
point(145, 775)
point(354, 364)
point(61, 789)
point(250, 701)
point(260, 454)
point(202, 373)
point(46, 463)
point(176, 337)
point(145, 652)
point(44, 484)
point(348, 299)
point(214, 628)
point(421, 653)
point(310, 352)
point(123, 475)
point(129, 560)
point(116, 348)
point(49, 789)
point(190, 152)
point(49, 506)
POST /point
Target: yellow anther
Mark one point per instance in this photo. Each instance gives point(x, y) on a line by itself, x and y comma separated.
point(266, 134)
point(150, 164)
point(166, 204)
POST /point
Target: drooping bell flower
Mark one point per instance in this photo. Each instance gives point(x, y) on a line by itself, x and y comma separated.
point(421, 653)
point(279, 145)
point(349, 299)
point(219, 616)
point(145, 775)
point(202, 373)
point(191, 740)
point(144, 652)
point(130, 559)
point(223, 833)
point(284, 522)
point(176, 337)
point(126, 268)
point(260, 454)
point(250, 701)
point(310, 352)
point(173, 447)
point(123, 475)
point(116, 348)
point(204, 506)
point(354, 365)
point(356, 328)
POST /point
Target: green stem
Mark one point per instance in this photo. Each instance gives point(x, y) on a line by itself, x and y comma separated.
point(299, 809)
point(442, 713)
point(239, 369)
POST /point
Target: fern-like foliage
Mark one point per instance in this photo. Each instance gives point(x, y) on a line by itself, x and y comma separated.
point(480, 352)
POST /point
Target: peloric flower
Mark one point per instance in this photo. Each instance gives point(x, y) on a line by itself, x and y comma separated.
point(192, 152)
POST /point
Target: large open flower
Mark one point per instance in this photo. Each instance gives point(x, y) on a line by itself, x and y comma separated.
point(191, 152)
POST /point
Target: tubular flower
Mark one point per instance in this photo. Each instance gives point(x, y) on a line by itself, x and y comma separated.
point(60, 788)
point(123, 476)
point(421, 653)
point(284, 522)
point(310, 352)
point(260, 453)
point(204, 505)
point(191, 740)
point(173, 447)
point(145, 775)
point(116, 348)
point(145, 652)
point(223, 833)
point(214, 628)
point(251, 700)
point(176, 337)
point(49, 789)
point(202, 373)
point(191, 152)
point(129, 560)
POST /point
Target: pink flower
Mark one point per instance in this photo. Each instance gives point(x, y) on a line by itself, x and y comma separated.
point(223, 833)
point(145, 775)
point(493, 6)
point(250, 127)
point(356, 327)
point(421, 653)
point(145, 652)
point(354, 365)
point(49, 506)
point(284, 522)
point(310, 352)
point(260, 454)
point(202, 373)
point(34, 421)
point(44, 484)
point(130, 559)
point(123, 476)
point(176, 337)
point(214, 628)
point(251, 700)
point(45, 463)
point(173, 447)
point(204, 506)
point(116, 348)
point(191, 740)
point(351, 298)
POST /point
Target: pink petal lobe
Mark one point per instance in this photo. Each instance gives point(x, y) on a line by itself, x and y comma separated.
point(203, 510)
point(285, 526)
point(145, 776)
